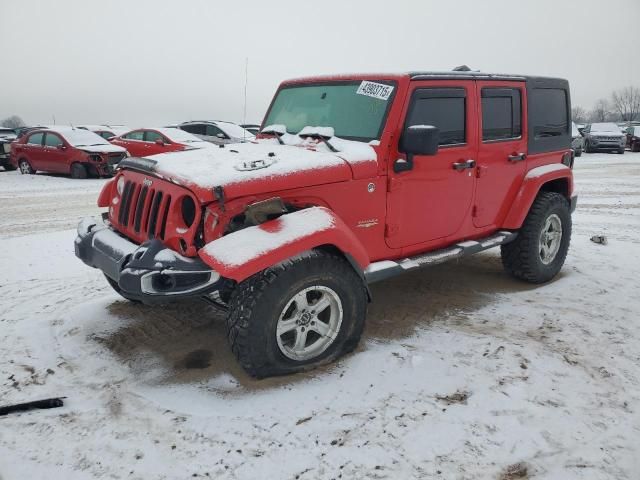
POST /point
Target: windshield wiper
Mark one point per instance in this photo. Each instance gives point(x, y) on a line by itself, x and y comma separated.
point(317, 136)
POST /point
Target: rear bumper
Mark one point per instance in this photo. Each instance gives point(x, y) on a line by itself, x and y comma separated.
point(150, 273)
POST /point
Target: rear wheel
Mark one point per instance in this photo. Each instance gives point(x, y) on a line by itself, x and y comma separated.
point(296, 315)
point(78, 171)
point(25, 167)
point(540, 249)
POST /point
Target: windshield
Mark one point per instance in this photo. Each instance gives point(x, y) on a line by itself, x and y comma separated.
point(179, 136)
point(355, 110)
point(605, 127)
point(82, 138)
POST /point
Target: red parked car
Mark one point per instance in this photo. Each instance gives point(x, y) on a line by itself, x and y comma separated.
point(633, 138)
point(143, 142)
point(65, 150)
point(352, 180)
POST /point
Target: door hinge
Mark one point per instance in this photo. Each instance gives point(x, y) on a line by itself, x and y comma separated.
point(391, 230)
point(393, 184)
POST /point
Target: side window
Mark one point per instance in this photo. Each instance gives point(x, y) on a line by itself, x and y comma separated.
point(194, 128)
point(501, 113)
point(213, 131)
point(150, 136)
point(106, 135)
point(443, 108)
point(136, 135)
point(550, 113)
point(35, 139)
point(52, 140)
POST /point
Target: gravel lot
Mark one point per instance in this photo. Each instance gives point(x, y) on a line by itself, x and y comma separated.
point(462, 372)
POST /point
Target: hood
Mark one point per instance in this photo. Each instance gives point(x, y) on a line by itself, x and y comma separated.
point(107, 148)
point(262, 166)
point(606, 134)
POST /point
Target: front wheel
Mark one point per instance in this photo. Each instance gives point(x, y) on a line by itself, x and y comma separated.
point(78, 171)
point(540, 249)
point(296, 315)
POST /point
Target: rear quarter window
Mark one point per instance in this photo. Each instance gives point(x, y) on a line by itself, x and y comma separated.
point(549, 115)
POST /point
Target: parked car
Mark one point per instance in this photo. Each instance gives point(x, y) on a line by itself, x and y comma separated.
point(143, 142)
point(603, 136)
point(217, 131)
point(355, 179)
point(633, 138)
point(20, 131)
point(251, 127)
point(66, 150)
point(577, 140)
point(7, 135)
point(106, 131)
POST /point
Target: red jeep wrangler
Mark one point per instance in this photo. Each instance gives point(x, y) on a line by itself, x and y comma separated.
point(353, 179)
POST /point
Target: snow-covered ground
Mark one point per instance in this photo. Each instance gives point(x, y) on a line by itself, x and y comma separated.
point(462, 371)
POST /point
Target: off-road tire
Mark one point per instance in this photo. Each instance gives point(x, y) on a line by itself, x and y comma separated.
point(78, 171)
point(257, 303)
point(521, 257)
point(118, 290)
point(25, 167)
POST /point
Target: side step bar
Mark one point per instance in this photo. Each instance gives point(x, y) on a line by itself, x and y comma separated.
point(390, 268)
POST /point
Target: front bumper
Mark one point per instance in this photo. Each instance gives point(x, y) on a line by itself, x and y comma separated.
point(150, 273)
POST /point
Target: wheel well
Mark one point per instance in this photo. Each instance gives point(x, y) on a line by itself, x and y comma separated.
point(336, 251)
point(559, 185)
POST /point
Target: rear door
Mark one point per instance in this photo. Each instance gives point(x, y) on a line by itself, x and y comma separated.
point(133, 142)
point(432, 200)
point(503, 149)
point(34, 150)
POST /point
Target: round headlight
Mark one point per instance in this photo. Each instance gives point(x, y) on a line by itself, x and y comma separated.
point(120, 186)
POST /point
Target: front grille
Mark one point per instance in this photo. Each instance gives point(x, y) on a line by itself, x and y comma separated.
point(608, 139)
point(144, 210)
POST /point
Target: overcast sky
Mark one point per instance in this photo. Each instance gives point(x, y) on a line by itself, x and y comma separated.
point(153, 62)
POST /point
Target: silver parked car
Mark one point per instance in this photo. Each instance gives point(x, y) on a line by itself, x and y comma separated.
point(603, 136)
point(216, 131)
point(577, 140)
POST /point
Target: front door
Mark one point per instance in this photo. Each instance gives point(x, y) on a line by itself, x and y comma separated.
point(55, 158)
point(432, 200)
point(503, 150)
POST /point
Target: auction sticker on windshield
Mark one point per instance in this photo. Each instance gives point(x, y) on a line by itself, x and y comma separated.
point(375, 90)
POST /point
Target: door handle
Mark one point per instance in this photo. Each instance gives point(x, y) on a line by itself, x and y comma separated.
point(464, 165)
point(517, 157)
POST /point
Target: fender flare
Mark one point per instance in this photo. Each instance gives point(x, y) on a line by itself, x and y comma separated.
point(533, 182)
point(246, 252)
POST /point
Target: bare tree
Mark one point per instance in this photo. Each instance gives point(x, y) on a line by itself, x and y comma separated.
point(626, 103)
point(578, 114)
point(13, 121)
point(601, 111)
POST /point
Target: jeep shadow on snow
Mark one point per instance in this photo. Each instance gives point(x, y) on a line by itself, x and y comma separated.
point(185, 342)
point(351, 181)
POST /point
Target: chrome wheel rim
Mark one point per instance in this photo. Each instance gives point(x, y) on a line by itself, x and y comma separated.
point(309, 323)
point(24, 167)
point(550, 239)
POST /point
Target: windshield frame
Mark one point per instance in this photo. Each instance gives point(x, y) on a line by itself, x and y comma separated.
point(383, 121)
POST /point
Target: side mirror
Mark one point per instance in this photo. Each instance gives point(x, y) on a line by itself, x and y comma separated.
point(417, 140)
point(421, 140)
point(159, 142)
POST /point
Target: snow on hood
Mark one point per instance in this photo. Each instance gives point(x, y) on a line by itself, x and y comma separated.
point(267, 159)
point(108, 148)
